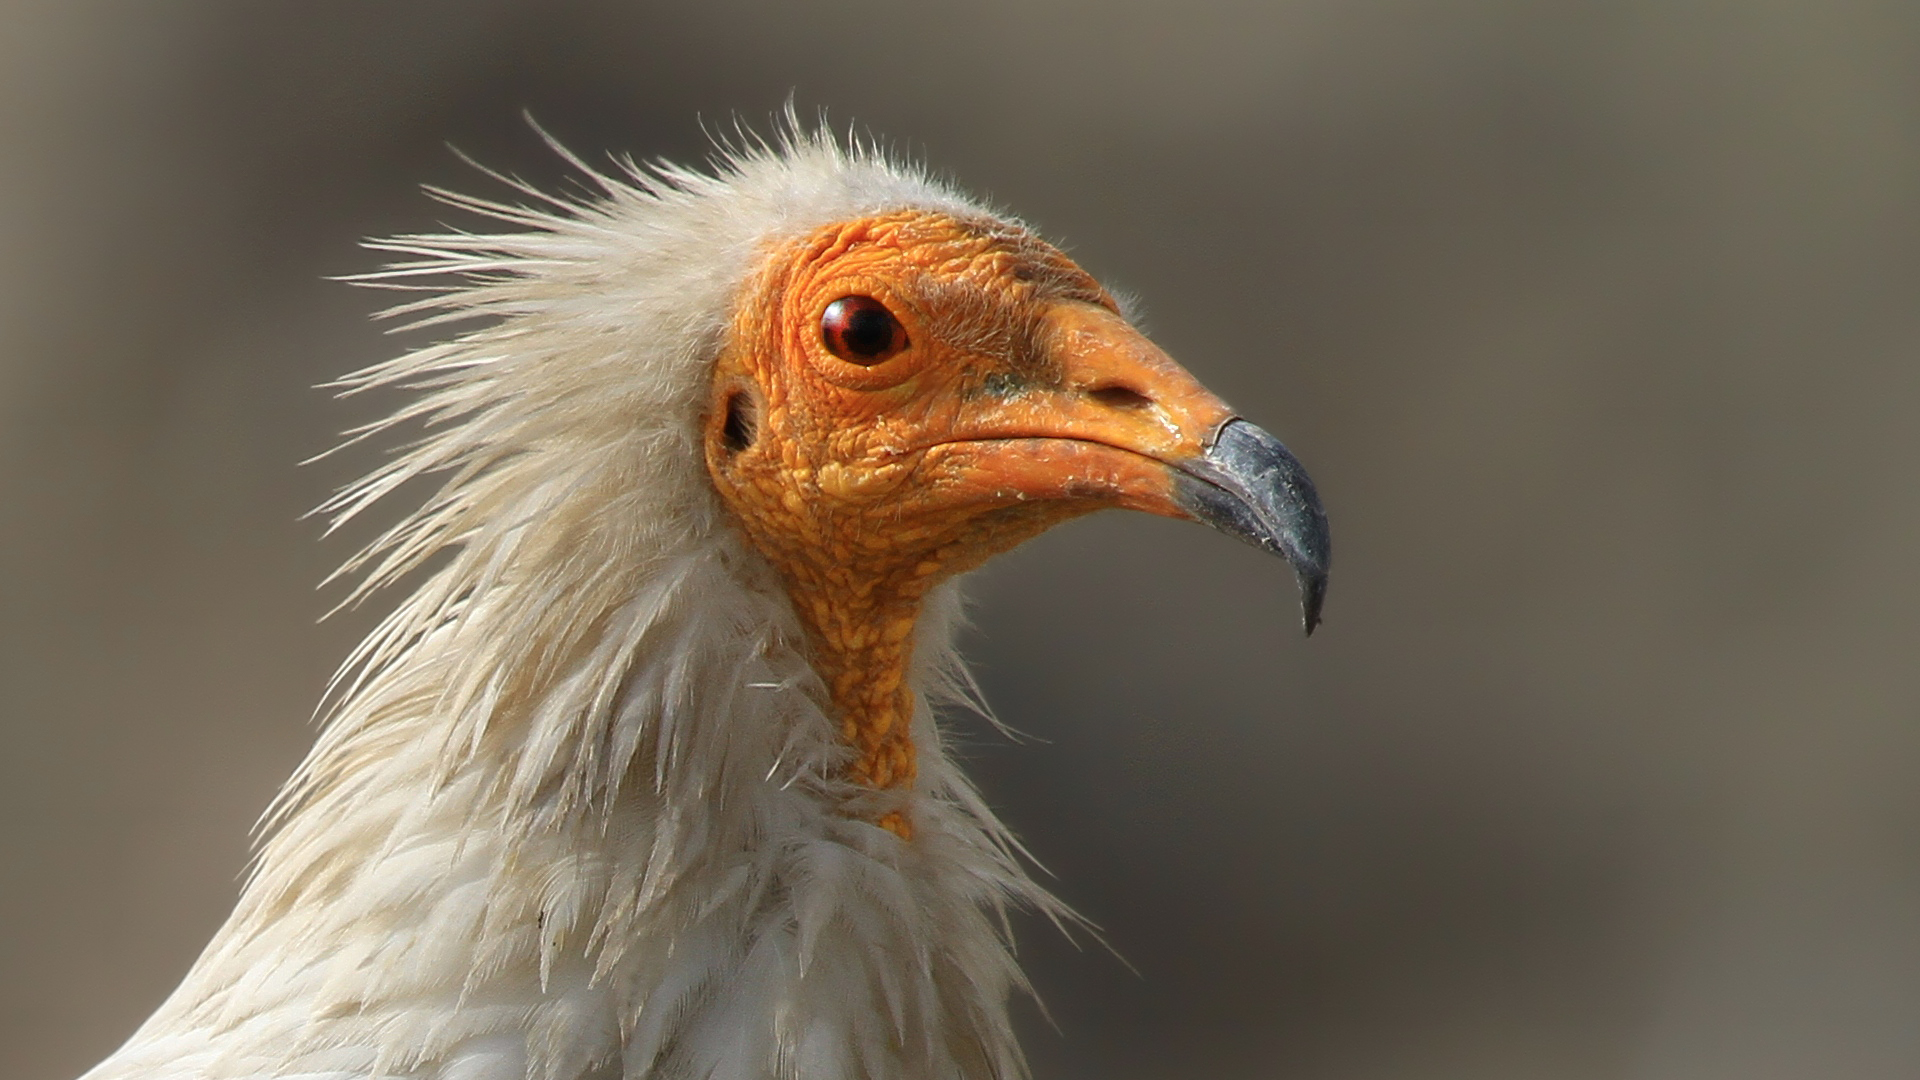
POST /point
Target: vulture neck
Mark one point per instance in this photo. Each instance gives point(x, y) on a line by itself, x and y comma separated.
point(658, 860)
point(859, 585)
point(863, 650)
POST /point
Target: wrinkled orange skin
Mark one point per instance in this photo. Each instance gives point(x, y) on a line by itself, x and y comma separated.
point(1022, 399)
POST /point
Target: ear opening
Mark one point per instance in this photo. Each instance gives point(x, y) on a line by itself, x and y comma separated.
point(742, 423)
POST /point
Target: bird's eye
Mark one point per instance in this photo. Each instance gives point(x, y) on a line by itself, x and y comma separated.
point(860, 330)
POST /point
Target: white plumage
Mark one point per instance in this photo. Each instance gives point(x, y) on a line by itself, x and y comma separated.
point(579, 808)
point(573, 814)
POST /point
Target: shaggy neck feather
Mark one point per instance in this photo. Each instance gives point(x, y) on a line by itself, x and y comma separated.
point(654, 878)
point(580, 811)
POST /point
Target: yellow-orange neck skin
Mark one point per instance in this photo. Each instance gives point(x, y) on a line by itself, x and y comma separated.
point(863, 650)
point(859, 592)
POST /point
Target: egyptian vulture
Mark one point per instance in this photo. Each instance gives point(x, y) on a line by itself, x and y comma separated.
point(643, 780)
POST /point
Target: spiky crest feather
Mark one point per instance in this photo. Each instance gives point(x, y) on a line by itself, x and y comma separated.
point(577, 809)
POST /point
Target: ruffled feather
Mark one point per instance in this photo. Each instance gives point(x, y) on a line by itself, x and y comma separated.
point(576, 811)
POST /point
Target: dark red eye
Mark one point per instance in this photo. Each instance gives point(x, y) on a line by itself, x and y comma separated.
point(860, 330)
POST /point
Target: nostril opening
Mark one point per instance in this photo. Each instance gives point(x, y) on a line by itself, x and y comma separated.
point(1120, 397)
point(742, 423)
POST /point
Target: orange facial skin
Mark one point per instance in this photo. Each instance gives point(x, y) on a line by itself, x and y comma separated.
point(1020, 399)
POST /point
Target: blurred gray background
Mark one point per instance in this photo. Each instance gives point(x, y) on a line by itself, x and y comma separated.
point(1596, 323)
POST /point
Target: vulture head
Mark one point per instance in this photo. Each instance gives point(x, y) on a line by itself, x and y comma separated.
point(902, 394)
point(643, 778)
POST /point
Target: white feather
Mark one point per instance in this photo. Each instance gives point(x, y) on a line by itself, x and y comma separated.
point(577, 811)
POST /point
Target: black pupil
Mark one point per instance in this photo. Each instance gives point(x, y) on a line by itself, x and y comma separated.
point(858, 327)
point(868, 332)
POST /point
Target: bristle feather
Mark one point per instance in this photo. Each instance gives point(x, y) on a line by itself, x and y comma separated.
point(577, 805)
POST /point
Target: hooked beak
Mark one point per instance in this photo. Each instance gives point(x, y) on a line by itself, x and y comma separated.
point(1248, 484)
point(1131, 428)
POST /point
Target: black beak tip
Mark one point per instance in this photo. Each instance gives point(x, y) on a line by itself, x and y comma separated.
point(1313, 592)
point(1309, 548)
point(1250, 486)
